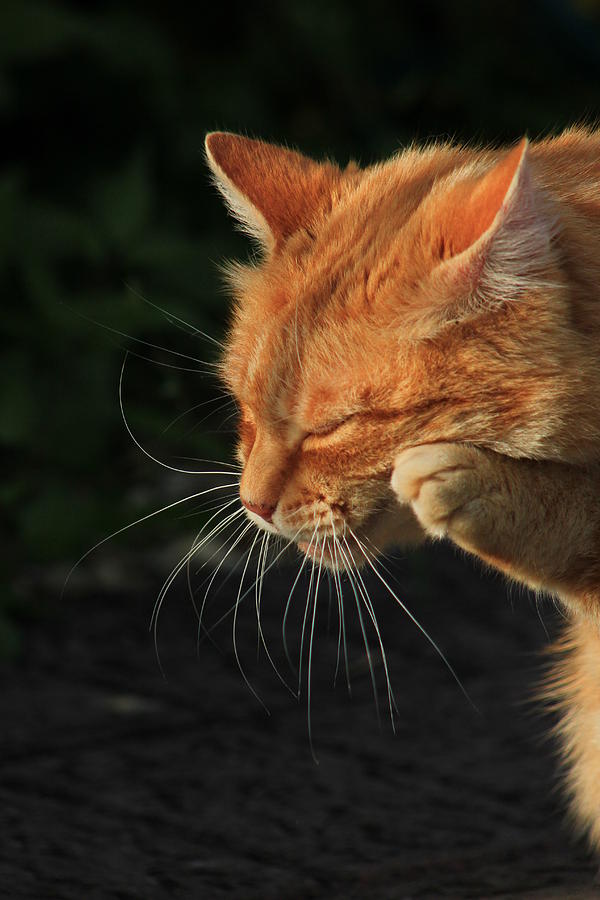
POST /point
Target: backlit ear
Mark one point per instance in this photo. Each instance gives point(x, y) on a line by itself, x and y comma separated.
point(271, 190)
point(495, 240)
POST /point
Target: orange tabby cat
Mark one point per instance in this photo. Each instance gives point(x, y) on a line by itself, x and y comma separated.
point(418, 352)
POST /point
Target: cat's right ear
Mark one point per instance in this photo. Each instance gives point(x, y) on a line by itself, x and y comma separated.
point(271, 191)
point(496, 238)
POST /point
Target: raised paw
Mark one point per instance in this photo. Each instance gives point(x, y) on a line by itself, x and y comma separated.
point(447, 486)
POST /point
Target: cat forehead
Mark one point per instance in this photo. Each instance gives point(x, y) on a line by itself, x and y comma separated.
point(315, 297)
point(364, 235)
point(292, 378)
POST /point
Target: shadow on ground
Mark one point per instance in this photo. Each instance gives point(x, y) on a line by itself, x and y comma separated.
point(117, 783)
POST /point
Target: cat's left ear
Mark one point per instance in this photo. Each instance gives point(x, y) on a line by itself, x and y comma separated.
point(493, 236)
point(271, 190)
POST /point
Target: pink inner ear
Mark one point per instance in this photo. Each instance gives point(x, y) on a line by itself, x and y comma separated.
point(284, 188)
point(496, 242)
point(472, 210)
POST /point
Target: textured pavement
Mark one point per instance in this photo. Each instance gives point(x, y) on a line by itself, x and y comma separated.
point(118, 783)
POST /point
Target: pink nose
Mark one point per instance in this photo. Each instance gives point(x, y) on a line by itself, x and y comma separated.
point(261, 509)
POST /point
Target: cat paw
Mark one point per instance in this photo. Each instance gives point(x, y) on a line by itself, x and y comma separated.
point(445, 485)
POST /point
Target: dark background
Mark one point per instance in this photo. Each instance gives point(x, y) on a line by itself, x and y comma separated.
point(105, 204)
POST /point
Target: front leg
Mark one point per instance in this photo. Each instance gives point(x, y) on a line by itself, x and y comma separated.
point(539, 522)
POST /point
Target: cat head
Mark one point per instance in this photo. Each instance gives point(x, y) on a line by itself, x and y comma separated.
point(390, 306)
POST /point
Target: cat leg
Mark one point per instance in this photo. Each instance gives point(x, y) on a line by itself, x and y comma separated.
point(539, 523)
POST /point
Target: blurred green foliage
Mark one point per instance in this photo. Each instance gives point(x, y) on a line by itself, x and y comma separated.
point(104, 199)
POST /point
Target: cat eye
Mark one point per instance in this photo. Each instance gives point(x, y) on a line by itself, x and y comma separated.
point(328, 427)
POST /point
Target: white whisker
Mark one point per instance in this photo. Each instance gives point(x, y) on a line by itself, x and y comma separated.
point(202, 362)
point(235, 615)
point(257, 592)
point(209, 506)
point(251, 588)
point(220, 508)
point(137, 443)
point(310, 651)
point(342, 626)
point(348, 570)
point(171, 316)
point(306, 608)
point(415, 622)
point(196, 545)
point(289, 600)
point(157, 512)
point(160, 599)
point(371, 611)
point(235, 466)
point(237, 536)
point(340, 599)
point(192, 409)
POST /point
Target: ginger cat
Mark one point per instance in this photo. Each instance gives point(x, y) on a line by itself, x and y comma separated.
point(418, 353)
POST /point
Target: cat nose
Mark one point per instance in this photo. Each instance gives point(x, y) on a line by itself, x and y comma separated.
point(261, 509)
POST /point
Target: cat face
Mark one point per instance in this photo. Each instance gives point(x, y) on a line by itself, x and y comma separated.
point(388, 311)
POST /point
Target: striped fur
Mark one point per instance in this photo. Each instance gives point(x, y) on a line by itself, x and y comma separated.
point(427, 330)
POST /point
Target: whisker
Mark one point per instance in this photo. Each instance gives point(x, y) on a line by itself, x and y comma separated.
point(288, 542)
point(220, 526)
point(211, 414)
point(249, 589)
point(241, 532)
point(233, 571)
point(415, 622)
point(208, 506)
point(220, 508)
point(306, 608)
point(143, 449)
point(371, 611)
point(342, 631)
point(340, 599)
point(362, 627)
point(258, 594)
point(161, 363)
point(189, 578)
point(157, 512)
point(217, 529)
point(192, 409)
point(289, 600)
point(171, 316)
point(207, 562)
point(217, 462)
point(160, 599)
point(221, 424)
point(235, 615)
point(130, 337)
point(310, 650)
point(196, 545)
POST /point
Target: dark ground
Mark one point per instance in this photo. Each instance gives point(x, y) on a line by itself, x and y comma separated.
point(117, 783)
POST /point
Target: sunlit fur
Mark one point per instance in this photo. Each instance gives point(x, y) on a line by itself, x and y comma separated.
point(446, 297)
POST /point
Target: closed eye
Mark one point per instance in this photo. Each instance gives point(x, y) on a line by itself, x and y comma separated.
point(328, 427)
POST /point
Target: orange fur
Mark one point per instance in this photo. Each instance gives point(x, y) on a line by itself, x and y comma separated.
point(417, 354)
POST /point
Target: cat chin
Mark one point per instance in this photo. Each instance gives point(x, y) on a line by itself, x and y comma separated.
point(394, 526)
